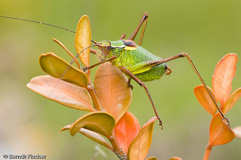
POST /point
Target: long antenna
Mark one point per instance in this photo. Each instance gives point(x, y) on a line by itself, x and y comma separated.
point(59, 27)
point(38, 22)
point(47, 24)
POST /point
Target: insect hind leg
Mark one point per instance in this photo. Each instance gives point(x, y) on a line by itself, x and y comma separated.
point(142, 22)
point(180, 55)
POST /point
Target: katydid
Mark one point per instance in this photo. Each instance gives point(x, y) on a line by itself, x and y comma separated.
point(134, 61)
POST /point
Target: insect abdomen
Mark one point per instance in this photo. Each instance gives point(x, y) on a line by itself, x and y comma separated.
point(129, 58)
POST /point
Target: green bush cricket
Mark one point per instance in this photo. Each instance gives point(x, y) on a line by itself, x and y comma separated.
point(134, 61)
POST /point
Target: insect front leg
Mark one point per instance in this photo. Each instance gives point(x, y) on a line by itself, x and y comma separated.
point(94, 65)
point(126, 71)
point(93, 51)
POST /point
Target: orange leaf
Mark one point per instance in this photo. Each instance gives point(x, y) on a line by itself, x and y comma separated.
point(126, 130)
point(99, 122)
point(62, 92)
point(237, 132)
point(175, 158)
point(83, 39)
point(223, 76)
point(92, 135)
point(112, 90)
point(139, 147)
point(59, 68)
point(219, 132)
point(232, 100)
point(204, 99)
point(152, 158)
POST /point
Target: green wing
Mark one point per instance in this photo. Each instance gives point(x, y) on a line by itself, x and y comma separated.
point(143, 66)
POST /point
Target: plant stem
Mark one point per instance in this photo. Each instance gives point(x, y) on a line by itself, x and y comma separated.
point(117, 150)
point(91, 90)
point(207, 152)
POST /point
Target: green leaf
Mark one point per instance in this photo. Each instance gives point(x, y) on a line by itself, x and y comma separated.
point(99, 122)
point(83, 39)
point(112, 90)
point(59, 68)
point(139, 147)
point(62, 92)
point(92, 135)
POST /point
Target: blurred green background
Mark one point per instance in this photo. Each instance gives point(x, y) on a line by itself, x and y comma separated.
point(206, 29)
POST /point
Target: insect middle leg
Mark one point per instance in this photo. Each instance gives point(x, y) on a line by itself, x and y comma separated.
point(133, 36)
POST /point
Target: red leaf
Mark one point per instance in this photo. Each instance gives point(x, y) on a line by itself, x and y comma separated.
point(223, 76)
point(126, 130)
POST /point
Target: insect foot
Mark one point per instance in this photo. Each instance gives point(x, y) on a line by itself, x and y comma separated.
point(160, 123)
point(226, 121)
point(130, 85)
point(85, 68)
